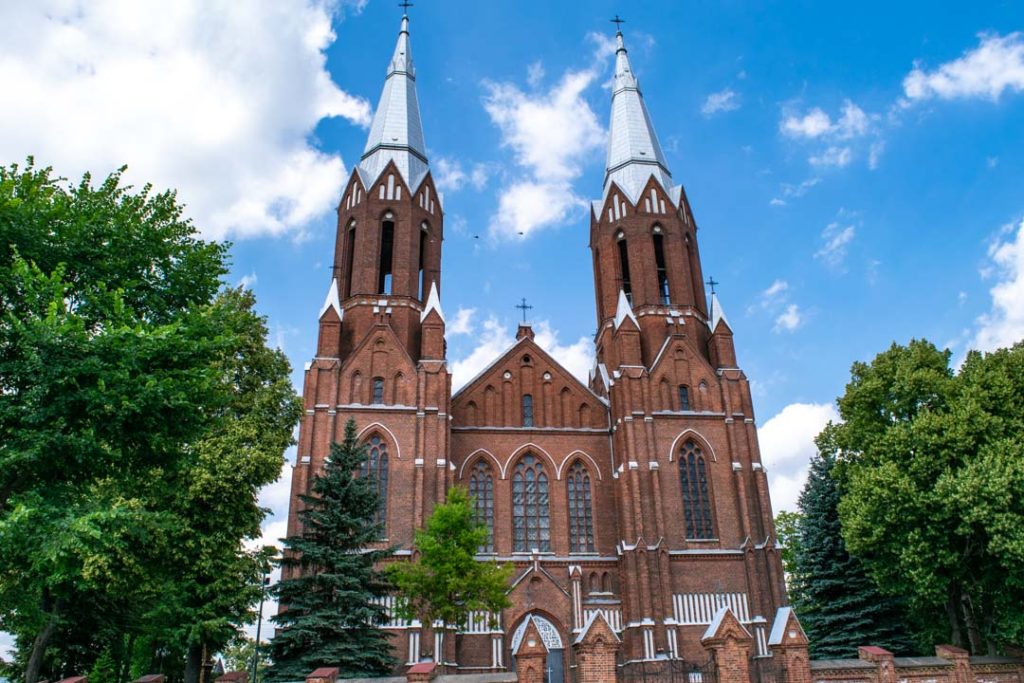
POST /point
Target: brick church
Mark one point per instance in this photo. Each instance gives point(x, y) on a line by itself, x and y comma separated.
point(639, 494)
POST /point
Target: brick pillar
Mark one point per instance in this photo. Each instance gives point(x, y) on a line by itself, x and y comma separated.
point(596, 650)
point(421, 673)
point(325, 674)
point(881, 658)
point(730, 645)
point(788, 643)
point(531, 656)
point(961, 660)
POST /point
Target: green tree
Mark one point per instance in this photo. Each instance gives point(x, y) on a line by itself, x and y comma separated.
point(239, 653)
point(445, 581)
point(839, 604)
point(131, 386)
point(787, 527)
point(931, 468)
point(332, 590)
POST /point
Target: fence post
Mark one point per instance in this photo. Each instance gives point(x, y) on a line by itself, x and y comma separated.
point(597, 647)
point(730, 645)
point(788, 643)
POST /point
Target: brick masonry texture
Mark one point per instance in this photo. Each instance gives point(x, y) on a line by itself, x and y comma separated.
point(627, 428)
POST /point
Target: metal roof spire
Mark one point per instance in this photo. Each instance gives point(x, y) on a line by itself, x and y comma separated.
point(634, 154)
point(397, 132)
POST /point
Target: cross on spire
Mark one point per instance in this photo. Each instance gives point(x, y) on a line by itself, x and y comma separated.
point(524, 307)
point(405, 5)
point(711, 282)
point(618, 23)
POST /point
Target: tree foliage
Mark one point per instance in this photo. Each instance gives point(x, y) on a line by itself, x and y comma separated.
point(932, 468)
point(140, 413)
point(839, 604)
point(332, 589)
point(445, 582)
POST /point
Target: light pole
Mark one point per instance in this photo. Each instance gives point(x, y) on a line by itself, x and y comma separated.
point(259, 626)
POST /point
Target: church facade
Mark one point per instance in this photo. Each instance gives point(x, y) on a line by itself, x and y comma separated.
point(639, 494)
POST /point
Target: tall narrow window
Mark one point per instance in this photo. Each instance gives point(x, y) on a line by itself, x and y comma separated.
point(378, 390)
point(624, 269)
point(387, 248)
point(531, 521)
point(527, 410)
point(350, 250)
point(659, 261)
point(423, 255)
point(481, 488)
point(696, 497)
point(684, 397)
point(375, 466)
point(581, 520)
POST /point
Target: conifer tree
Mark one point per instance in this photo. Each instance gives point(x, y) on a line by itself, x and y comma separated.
point(838, 603)
point(334, 594)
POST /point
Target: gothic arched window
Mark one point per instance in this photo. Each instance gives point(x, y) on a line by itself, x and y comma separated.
point(581, 520)
point(387, 248)
point(696, 497)
point(527, 410)
point(375, 466)
point(481, 488)
point(627, 287)
point(350, 250)
point(531, 519)
point(659, 262)
point(378, 390)
point(684, 397)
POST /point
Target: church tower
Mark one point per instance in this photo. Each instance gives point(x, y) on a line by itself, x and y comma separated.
point(695, 519)
point(380, 356)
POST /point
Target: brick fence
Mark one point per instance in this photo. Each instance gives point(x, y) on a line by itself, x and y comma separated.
point(730, 646)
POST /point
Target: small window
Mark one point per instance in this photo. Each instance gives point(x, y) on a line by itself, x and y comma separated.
point(527, 410)
point(659, 261)
point(684, 397)
point(627, 287)
point(387, 246)
point(378, 390)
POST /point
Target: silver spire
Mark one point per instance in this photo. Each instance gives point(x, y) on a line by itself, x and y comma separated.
point(634, 154)
point(397, 132)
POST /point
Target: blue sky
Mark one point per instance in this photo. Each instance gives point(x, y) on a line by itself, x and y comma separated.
point(855, 171)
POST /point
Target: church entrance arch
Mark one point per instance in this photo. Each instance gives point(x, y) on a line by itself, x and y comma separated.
point(552, 638)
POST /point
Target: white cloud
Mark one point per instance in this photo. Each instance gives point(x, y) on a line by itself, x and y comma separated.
point(550, 133)
point(577, 358)
point(463, 322)
point(775, 201)
point(812, 125)
point(789, 319)
point(995, 66)
point(787, 444)
point(775, 290)
point(837, 238)
point(1003, 324)
point(723, 100)
point(248, 281)
point(875, 153)
point(450, 176)
point(817, 124)
point(216, 100)
point(833, 156)
point(535, 74)
point(495, 338)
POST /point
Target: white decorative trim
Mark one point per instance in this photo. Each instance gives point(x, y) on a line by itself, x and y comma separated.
point(703, 439)
point(398, 447)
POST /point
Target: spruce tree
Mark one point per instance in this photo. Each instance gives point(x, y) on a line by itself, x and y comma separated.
point(333, 598)
point(838, 603)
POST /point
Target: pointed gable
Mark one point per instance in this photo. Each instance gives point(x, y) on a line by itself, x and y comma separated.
point(787, 631)
point(723, 627)
point(494, 398)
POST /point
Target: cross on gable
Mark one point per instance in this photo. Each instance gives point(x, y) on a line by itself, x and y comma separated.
point(524, 307)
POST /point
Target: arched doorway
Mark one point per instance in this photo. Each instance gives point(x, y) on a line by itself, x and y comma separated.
point(552, 641)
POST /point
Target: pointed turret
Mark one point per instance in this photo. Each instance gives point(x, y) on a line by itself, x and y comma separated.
point(397, 132)
point(634, 153)
point(717, 314)
point(721, 348)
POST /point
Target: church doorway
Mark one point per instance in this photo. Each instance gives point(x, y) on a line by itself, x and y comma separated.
point(552, 638)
